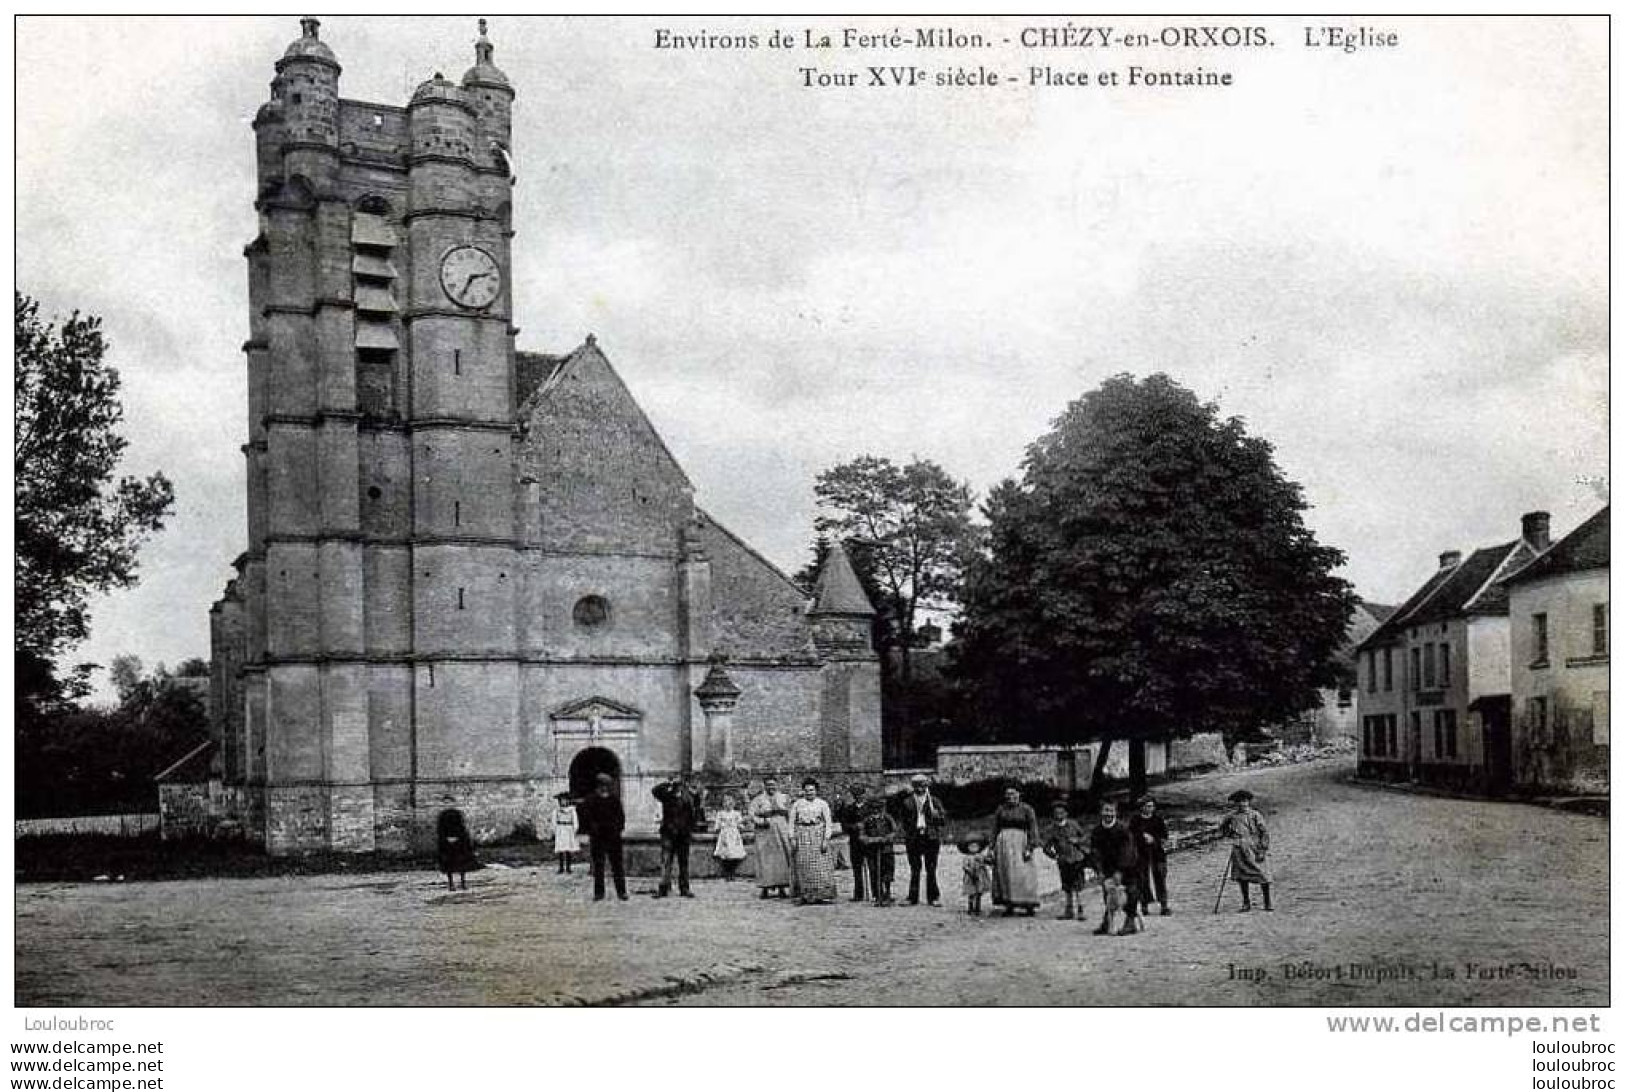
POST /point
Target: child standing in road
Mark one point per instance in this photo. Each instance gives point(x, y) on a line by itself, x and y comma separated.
point(978, 875)
point(878, 833)
point(1068, 843)
point(730, 840)
point(1249, 845)
point(565, 846)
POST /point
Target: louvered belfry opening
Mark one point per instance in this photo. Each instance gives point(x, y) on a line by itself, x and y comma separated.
point(377, 339)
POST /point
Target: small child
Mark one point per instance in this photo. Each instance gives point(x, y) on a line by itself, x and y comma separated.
point(565, 846)
point(1249, 846)
point(878, 834)
point(1068, 843)
point(978, 876)
point(730, 848)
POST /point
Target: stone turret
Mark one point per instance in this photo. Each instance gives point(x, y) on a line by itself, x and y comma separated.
point(842, 620)
point(307, 89)
point(491, 95)
point(842, 616)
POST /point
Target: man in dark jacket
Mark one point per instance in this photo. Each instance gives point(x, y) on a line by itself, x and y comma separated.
point(922, 818)
point(681, 814)
point(1112, 846)
point(603, 820)
point(1151, 846)
point(850, 816)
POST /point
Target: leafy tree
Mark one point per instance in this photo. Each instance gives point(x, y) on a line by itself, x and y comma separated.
point(1150, 576)
point(99, 761)
point(78, 527)
point(909, 532)
point(126, 673)
point(195, 668)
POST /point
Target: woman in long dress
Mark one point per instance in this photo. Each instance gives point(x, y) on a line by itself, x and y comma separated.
point(730, 848)
point(454, 848)
point(1015, 873)
point(770, 812)
point(811, 822)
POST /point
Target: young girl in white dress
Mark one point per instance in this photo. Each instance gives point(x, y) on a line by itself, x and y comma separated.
point(730, 838)
point(565, 846)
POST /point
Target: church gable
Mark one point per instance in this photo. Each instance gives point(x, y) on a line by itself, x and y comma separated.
point(757, 612)
point(601, 477)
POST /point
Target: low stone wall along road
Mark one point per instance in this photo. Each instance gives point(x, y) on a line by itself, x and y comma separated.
point(1383, 898)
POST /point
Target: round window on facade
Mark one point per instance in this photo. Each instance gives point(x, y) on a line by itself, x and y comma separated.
point(591, 610)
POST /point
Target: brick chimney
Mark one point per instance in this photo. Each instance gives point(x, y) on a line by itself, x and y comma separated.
point(1450, 559)
point(1537, 529)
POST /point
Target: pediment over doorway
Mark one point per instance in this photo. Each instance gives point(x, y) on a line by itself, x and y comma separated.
point(596, 708)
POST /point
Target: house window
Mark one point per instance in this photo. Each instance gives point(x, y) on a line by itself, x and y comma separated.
point(1368, 740)
point(1416, 669)
point(1377, 735)
point(1416, 735)
point(1542, 647)
point(1429, 667)
point(1444, 665)
point(1599, 630)
point(1599, 717)
point(1345, 697)
point(1393, 734)
point(1371, 670)
point(1387, 669)
point(1444, 733)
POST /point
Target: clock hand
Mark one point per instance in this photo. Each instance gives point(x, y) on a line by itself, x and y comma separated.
point(474, 277)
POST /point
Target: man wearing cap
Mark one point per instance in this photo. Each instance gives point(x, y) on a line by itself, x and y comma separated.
point(1150, 844)
point(1249, 845)
point(603, 820)
point(681, 814)
point(850, 816)
point(922, 820)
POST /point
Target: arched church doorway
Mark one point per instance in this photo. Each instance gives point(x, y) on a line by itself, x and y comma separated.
point(586, 766)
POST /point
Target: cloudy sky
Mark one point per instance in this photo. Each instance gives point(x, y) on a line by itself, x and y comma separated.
point(1391, 263)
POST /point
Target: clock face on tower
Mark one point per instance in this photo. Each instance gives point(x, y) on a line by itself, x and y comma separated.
point(470, 277)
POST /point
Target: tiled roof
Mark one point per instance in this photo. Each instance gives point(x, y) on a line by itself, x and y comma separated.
point(1449, 593)
point(1391, 627)
point(839, 591)
point(531, 370)
point(192, 766)
point(1462, 586)
point(1585, 547)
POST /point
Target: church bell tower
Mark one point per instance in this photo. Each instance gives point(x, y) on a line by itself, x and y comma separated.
point(380, 583)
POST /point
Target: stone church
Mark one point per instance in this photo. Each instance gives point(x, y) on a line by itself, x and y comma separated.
point(474, 575)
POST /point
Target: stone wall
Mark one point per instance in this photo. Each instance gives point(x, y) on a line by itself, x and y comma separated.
point(603, 480)
point(1201, 750)
point(756, 611)
point(1072, 768)
point(1049, 765)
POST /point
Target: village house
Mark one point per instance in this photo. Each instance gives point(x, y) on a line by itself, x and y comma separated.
point(1558, 607)
point(1432, 674)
